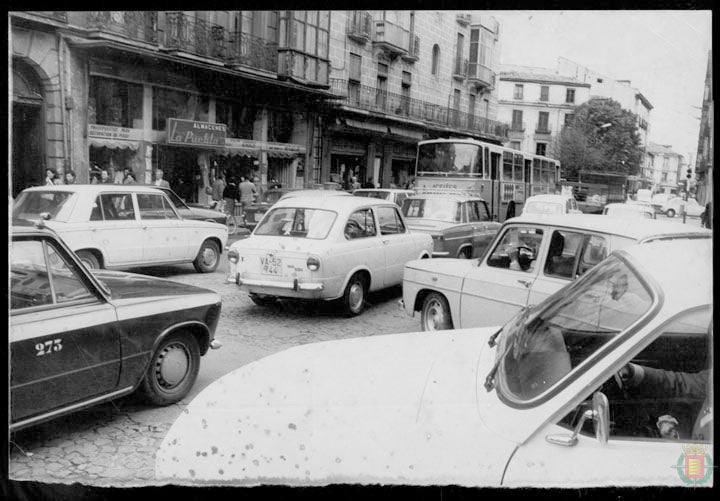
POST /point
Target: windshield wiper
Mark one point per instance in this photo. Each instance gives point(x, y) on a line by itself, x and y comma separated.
point(490, 379)
point(491, 341)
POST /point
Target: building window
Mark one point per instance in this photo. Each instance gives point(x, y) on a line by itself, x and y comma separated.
point(541, 149)
point(518, 91)
point(517, 117)
point(114, 102)
point(177, 104)
point(435, 59)
point(381, 89)
point(664, 177)
point(515, 145)
point(308, 47)
point(569, 117)
point(543, 119)
point(355, 67)
point(456, 107)
point(459, 54)
point(405, 92)
point(570, 95)
point(239, 118)
point(544, 92)
point(471, 104)
point(354, 80)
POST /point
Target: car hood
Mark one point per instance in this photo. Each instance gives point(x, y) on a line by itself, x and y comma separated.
point(397, 409)
point(429, 224)
point(125, 285)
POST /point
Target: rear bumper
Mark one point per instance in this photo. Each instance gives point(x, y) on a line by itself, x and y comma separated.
point(290, 285)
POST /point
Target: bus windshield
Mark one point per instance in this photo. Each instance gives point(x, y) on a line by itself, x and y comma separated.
point(449, 159)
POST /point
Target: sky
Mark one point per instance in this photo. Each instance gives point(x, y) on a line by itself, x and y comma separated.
point(664, 53)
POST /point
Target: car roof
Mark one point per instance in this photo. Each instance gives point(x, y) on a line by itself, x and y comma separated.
point(316, 193)
point(385, 190)
point(332, 202)
point(638, 207)
point(95, 188)
point(637, 229)
point(445, 196)
point(548, 197)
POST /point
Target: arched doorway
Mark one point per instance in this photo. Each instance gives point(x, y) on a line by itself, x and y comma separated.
point(28, 131)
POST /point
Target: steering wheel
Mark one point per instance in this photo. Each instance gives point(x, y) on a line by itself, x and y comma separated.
point(352, 229)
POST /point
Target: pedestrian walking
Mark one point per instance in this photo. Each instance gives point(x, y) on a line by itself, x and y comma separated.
point(49, 177)
point(159, 181)
point(248, 192)
point(218, 188)
point(70, 177)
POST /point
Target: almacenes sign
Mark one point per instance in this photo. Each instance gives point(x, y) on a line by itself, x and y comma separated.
point(193, 133)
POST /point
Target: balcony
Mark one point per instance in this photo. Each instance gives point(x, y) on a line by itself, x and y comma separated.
point(194, 36)
point(134, 25)
point(543, 129)
point(391, 39)
point(246, 50)
point(480, 76)
point(517, 127)
point(463, 19)
point(414, 52)
point(460, 70)
point(57, 15)
point(379, 101)
point(359, 26)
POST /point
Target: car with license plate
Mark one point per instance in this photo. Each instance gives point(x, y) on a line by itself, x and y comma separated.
point(541, 401)
point(628, 210)
point(326, 248)
point(79, 338)
point(123, 226)
point(460, 225)
point(397, 196)
point(532, 256)
point(678, 205)
point(551, 204)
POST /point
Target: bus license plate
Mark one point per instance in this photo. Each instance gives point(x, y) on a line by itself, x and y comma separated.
point(271, 265)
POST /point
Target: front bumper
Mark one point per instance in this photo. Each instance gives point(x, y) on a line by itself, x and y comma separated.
point(441, 253)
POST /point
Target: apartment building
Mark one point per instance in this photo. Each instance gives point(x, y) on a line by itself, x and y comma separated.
point(191, 93)
point(404, 76)
point(704, 157)
point(537, 104)
point(663, 168)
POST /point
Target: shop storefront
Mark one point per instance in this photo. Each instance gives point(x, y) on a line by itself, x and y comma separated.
point(245, 157)
point(115, 149)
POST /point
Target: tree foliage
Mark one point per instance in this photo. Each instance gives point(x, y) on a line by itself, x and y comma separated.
point(602, 137)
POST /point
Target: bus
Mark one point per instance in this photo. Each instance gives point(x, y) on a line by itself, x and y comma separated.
point(503, 177)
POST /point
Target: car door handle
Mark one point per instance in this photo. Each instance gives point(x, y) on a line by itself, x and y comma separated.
point(526, 283)
point(144, 227)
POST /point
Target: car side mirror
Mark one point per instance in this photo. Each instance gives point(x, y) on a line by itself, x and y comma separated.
point(599, 413)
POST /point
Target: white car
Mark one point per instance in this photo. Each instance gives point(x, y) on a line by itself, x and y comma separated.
point(531, 257)
point(123, 226)
point(532, 404)
point(675, 206)
point(551, 204)
point(628, 210)
point(397, 196)
point(331, 247)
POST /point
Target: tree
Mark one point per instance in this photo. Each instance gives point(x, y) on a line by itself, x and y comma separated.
point(602, 137)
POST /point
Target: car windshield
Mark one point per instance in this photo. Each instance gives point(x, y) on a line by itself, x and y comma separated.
point(432, 208)
point(382, 195)
point(30, 204)
point(568, 328)
point(449, 159)
point(543, 208)
point(297, 222)
point(270, 197)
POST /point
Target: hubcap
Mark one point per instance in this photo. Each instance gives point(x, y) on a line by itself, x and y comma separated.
point(172, 365)
point(356, 296)
point(209, 257)
point(434, 316)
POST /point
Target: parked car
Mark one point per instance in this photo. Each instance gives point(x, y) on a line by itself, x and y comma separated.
point(675, 206)
point(551, 204)
point(395, 196)
point(460, 225)
point(197, 213)
point(331, 247)
point(532, 404)
point(313, 193)
point(79, 338)
point(628, 210)
point(531, 257)
point(255, 212)
point(123, 226)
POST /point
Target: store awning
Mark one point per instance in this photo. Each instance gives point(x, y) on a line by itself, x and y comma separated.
point(252, 148)
point(116, 144)
point(383, 129)
point(401, 131)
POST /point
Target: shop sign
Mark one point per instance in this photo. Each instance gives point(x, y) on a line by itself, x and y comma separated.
point(193, 133)
point(282, 149)
point(111, 132)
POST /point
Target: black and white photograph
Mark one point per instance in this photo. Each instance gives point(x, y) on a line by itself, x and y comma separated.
point(325, 248)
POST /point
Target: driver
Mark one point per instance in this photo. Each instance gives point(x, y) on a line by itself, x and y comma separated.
point(651, 382)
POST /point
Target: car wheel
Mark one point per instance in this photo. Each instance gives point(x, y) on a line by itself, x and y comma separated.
point(262, 300)
point(88, 259)
point(435, 313)
point(172, 371)
point(465, 253)
point(354, 296)
point(670, 213)
point(208, 258)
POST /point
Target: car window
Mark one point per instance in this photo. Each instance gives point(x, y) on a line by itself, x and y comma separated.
point(113, 207)
point(432, 208)
point(390, 221)
point(562, 253)
point(595, 249)
point(30, 204)
point(176, 199)
point(153, 206)
point(400, 198)
point(360, 224)
point(517, 249)
point(40, 275)
point(296, 222)
point(477, 211)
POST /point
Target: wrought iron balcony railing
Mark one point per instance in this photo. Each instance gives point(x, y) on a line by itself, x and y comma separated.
point(194, 36)
point(360, 26)
point(463, 19)
point(247, 50)
point(543, 129)
point(391, 37)
point(141, 26)
point(377, 100)
point(413, 53)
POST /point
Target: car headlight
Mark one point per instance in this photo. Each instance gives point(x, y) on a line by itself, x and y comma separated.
point(233, 256)
point(313, 263)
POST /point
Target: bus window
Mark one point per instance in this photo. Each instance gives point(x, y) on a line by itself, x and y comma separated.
point(486, 163)
point(536, 171)
point(528, 169)
point(518, 168)
point(507, 172)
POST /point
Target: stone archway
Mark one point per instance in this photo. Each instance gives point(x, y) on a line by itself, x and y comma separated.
point(28, 128)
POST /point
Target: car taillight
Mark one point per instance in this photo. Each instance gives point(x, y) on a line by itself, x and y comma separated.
point(233, 256)
point(313, 263)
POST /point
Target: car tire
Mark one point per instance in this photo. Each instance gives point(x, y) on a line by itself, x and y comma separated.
point(208, 258)
point(670, 213)
point(88, 259)
point(263, 300)
point(435, 314)
point(354, 296)
point(172, 371)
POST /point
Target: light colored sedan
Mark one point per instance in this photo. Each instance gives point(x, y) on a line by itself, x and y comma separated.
point(677, 205)
point(532, 257)
point(532, 404)
point(123, 226)
point(551, 204)
point(629, 211)
point(326, 247)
